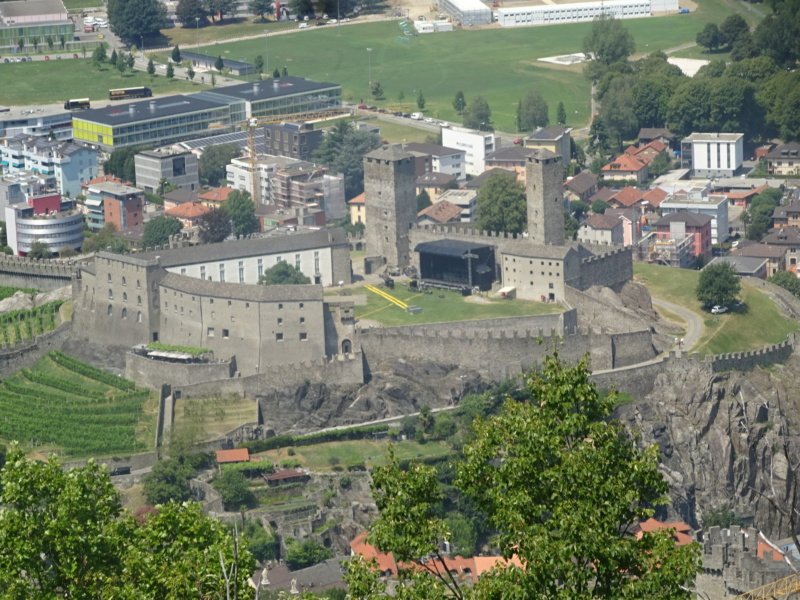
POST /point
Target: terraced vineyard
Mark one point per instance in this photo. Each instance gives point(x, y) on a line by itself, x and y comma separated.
point(65, 404)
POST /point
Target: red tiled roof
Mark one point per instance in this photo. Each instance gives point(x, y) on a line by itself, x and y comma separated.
point(747, 193)
point(627, 196)
point(625, 162)
point(385, 561)
point(442, 211)
point(188, 210)
point(107, 179)
point(765, 551)
point(284, 474)
point(655, 197)
point(217, 195)
point(681, 534)
point(360, 199)
point(233, 456)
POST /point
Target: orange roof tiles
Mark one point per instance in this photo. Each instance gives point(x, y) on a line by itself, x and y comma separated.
point(655, 197)
point(681, 534)
point(386, 562)
point(747, 193)
point(217, 195)
point(360, 199)
point(627, 196)
point(601, 222)
point(233, 456)
point(188, 210)
point(625, 162)
point(765, 551)
point(107, 179)
point(442, 211)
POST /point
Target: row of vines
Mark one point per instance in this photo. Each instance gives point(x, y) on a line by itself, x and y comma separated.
point(20, 325)
point(65, 403)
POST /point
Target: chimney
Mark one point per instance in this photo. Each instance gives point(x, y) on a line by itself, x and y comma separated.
point(131, 110)
point(255, 88)
point(152, 106)
point(275, 84)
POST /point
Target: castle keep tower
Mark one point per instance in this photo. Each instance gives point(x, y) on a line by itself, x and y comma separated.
point(544, 177)
point(390, 203)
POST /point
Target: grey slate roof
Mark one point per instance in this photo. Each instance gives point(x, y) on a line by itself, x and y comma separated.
point(538, 251)
point(743, 265)
point(690, 218)
point(166, 106)
point(785, 236)
point(517, 153)
point(249, 247)
point(790, 150)
point(477, 182)
point(242, 291)
point(582, 182)
point(31, 8)
point(432, 149)
point(553, 132)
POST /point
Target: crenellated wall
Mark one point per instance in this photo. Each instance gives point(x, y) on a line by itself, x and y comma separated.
point(44, 275)
point(612, 269)
point(153, 373)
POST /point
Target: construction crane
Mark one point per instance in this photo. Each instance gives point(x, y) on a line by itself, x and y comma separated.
point(776, 589)
point(255, 186)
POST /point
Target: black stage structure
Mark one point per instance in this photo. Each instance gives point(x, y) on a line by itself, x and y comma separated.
point(456, 263)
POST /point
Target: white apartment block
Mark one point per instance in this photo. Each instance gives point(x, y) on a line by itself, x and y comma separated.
point(713, 205)
point(238, 173)
point(713, 154)
point(475, 144)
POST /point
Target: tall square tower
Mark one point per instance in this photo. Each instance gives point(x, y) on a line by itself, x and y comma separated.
point(544, 177)
point(390, 203)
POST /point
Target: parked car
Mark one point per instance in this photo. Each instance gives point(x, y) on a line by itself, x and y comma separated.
point(47, 58)
point(417, 116)
point(429, 120)
point(29, 59)
point(74, 56)
point(5, 60)
point(518, 141)
point(718, 310)
point(362, 107)
point(303, 26)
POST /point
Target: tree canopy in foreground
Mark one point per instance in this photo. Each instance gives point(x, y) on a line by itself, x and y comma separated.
point(561, 483)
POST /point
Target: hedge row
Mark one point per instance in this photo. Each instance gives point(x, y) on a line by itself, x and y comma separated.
point(81, 368)
point(264, 466)
point(57, 383)
point(282, 441)
point(171, 348)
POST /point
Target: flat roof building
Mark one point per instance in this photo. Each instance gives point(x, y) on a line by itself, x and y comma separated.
point(713, 154)
point(33, 19)
point(467, 12)
point(39, 120)
point(177, 168)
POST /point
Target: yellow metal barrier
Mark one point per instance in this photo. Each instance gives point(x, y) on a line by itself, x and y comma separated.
point(386, 296)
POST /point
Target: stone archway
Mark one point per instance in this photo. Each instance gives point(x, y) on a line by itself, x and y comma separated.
point(347, 347)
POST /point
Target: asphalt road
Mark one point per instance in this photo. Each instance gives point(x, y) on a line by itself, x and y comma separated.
point(694, 324)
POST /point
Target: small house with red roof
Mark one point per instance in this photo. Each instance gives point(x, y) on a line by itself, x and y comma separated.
point(216, 197)
point(626, 197)
point(681, 532)
point(285, 476)
point(439, 213)
point(743, 198)
point(626, 166)
point(601, 229)
point(188, 213)
point(647, 152)
point(357, 209)
point(237, 455)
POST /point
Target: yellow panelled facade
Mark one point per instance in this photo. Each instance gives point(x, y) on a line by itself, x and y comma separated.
point(92, 132)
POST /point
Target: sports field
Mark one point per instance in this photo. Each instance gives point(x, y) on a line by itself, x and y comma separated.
point(500, 64)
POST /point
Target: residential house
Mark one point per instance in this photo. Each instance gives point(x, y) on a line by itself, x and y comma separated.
point(318, 578)
point(439, 212)
point(601, 229)
point(132, 236)
point(647, 152)
point(216, 197)
point(229, 457)
point(744, 266)
point(662, 134)
point(285, 477)
point(357, 209)
point(714, 205)
point(239, 174)
point(466, 200)
point(450, 161)
point(775, 255)
point(683, 225)
point(626, 167)
point(786, 215)
point(435, 184)
point(788, 238)
point(475, 144)
point(713, 154)
point(604, 193)
point(477, 183)
point(631, 223)
point(681, 532)
point(180, 196)
point(554, 138)
point(743, 198)
point(581, 187)
point(652, 199)
point(784, 160)
point(189, 213)
point(115, 203)
point(271, 216)
point(510, 158)
point(626, 197)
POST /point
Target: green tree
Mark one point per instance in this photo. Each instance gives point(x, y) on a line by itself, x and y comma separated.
point(709, 37)
point(49, 41)
point(260, 8)
point(284, 72)
point(131, 20)
point(258, 64)
point(62, 39)
point(599, 207)
point(420, 100)
point(21, 44)
point(122, 63)
point(276, 73)
point(113, 59)
point(213, 161)
point(579, 208)
point(99, 55)
point(617, 110)
point(659, 165)
point(459, 102)
point(477, 114)
point(234, 490)
point(532, 111)
point(561, 114)
point(151, 67)
point(176, 55)
point(219, 8)
point(121, 163)
point(104, 240)
point(423, 200)
point(425, 418)
point(40, 250)
point(571, 226)
point(284, 274)
point(342, 150)
point(168, 481)
point(721, 517)
point(608, 42)
point(561, 483)
point(190, 72)
point(718, 285)
point(502, 205)
point(306, 554)
point(408, 426)
point(598, 137)
point(67, 252)
point(376, 89)
point(157, 231)
point(401, 96)
point(170, 71)
point(214, 226)
point(242, 212)
point(219, 64)
point(262, 544)
point(463, 535)
point(302, 7)
point(58, 530)
point(191, 13)
point(786, 280)
point(131, 60)
point(732, 28)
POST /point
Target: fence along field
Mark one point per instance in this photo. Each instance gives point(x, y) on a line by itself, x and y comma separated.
point(68, 405)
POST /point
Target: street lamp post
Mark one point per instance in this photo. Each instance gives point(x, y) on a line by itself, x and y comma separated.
point(197, 31)
point(338, 19)
point(266, 51)
point(369, 66)
point(142, 38)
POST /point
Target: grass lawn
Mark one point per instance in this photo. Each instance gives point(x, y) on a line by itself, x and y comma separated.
point(320, 457)
point(397, 133)
point(54, 81)
point(76, 4)
point(357, 254)
point(213, 417)
point(756, 324)
point(453, 307)
point(230, 28)
point(701, 53)
point(501, 64)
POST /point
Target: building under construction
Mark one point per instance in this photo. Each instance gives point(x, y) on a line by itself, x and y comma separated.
point(676, 250)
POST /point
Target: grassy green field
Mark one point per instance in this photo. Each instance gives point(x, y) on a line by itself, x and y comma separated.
point(500, 64)
point(46, 82)
point(371, 453)
point(52, 408)
point(76, 4)
point(453, 307)
point(211, 418)
point(756, 324)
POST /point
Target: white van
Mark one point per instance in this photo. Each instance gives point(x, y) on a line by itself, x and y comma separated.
point(416, 116)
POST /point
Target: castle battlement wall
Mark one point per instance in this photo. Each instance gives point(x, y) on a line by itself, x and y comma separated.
point(612, 269)
point(40, 274)
point(154, 373)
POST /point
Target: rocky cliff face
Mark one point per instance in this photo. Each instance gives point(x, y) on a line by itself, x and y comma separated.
point(726, 440)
